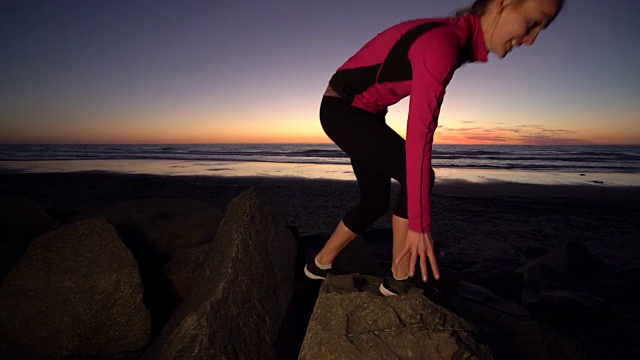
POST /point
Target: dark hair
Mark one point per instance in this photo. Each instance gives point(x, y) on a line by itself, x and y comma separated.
point(480, 6)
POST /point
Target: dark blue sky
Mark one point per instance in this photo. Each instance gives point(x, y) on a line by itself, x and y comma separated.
point(254, 71)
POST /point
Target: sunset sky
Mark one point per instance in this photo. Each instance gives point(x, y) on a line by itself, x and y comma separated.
point(248, 71)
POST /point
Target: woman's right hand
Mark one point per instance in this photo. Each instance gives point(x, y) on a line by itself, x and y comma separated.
point(420, 245)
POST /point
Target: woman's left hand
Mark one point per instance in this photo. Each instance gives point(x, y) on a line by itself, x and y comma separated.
point(420, 245)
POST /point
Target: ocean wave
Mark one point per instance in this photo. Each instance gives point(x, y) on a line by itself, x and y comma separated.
point(623, 159)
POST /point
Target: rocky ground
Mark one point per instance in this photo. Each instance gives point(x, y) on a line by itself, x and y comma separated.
point(528, 268)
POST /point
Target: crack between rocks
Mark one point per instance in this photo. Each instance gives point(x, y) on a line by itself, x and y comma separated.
point(349, 338)
point(354, 345)
point(463, 344)
point(386, 345)
point(398, 316)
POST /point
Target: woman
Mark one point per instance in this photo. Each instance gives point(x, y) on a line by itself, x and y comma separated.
point(416, 58)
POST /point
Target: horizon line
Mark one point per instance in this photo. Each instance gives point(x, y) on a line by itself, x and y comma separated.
point(293, 143)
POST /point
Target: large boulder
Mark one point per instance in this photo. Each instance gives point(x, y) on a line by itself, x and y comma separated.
point(238, 301)
point(351, 320)
point(75, 293)
point(161, 226)
point(182, 270)
point(154, 229)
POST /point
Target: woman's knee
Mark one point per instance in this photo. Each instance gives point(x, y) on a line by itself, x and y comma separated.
point(360, 217)
point(374, 210)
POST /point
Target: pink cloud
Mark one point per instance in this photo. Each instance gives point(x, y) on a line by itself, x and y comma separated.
point(531, 134)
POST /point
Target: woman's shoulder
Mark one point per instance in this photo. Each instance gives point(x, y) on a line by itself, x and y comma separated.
point(440, 49)
point(421, 22)
point(443, 30)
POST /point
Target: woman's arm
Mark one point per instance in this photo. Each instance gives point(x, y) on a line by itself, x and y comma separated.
point(434, 58)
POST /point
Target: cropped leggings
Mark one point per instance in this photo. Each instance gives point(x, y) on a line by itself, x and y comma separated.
point(377, 155)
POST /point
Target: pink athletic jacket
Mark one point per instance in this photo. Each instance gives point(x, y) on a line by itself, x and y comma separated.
point(416, 58)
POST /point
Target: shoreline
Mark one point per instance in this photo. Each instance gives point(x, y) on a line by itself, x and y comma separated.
point(310, 171)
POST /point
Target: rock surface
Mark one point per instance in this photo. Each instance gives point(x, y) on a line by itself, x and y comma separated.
point(154, 229)
point(182, 270)
point(75, 293)
point(351, 320)
point(237, 304)
point(161, 225)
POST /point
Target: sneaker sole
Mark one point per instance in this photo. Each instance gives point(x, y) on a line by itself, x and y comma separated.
point(311, 275)
point(386, 292)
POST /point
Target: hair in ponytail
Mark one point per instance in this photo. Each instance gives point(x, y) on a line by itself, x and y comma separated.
point(480, 6)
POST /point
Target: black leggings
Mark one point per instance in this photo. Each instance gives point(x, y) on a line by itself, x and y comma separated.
point(377, 155)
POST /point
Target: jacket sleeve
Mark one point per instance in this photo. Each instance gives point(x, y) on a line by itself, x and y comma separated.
point(434, 57)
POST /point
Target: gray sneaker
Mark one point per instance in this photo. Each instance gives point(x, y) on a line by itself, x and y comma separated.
point(392, 287)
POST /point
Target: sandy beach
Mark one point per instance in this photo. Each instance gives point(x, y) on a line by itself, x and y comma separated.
point(472, 222)
point(492, 225)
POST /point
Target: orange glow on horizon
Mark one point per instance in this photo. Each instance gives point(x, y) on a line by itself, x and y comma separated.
point(441, 138)
point(199, 128)
point(165, 138)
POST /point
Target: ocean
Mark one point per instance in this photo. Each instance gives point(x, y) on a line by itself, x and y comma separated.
point(540, 164)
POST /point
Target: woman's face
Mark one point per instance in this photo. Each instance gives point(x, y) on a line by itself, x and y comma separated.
point(508, 24)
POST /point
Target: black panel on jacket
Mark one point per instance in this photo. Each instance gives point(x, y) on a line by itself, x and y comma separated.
point(397, 67)
point(350, 82)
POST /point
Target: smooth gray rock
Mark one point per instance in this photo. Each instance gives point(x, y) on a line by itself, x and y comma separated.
point(161, 225)
point(76, 293)
point(239, 299)
point(351, 320)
